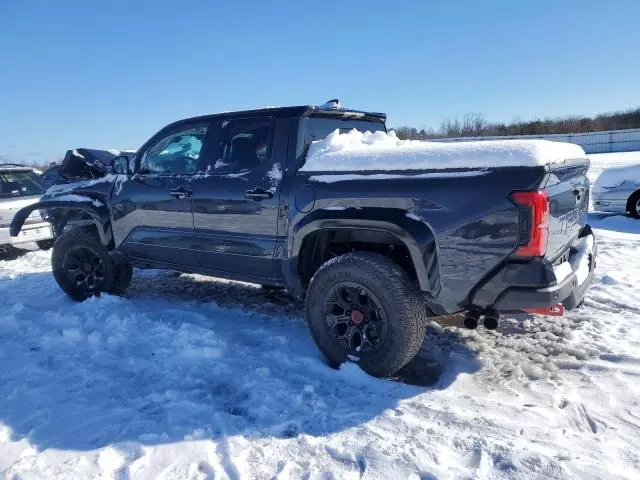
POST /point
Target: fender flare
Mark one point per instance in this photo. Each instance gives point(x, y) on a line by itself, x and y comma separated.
point(413, 233)
point(99, 214)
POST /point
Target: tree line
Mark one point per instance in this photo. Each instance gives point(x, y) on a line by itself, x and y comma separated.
point(476, 125)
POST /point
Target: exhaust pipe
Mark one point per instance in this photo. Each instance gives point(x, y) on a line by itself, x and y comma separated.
point(471, 319)
point(491, 319)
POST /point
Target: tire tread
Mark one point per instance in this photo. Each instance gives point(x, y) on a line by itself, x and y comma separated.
point(406, 310)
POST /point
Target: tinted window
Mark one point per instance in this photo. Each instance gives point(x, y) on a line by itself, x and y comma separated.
point(244, 144)
point(318, 128)
point(177, 152)
point(20, 184)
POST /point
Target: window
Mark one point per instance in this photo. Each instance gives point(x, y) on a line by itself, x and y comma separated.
point(317, 128)
point(244, 144)
point(176, 153)
point(20, 184)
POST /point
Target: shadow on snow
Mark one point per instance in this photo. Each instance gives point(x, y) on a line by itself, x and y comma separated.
point(184, 357)
point(613, 222)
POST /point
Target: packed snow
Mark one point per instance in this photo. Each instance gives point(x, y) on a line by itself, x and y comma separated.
point(188, 377)
point(357, 151)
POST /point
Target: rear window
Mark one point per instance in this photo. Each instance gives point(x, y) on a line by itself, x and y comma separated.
point(20, 184)
point(317, 128)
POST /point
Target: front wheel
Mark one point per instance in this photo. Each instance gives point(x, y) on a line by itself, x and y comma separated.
point(362, 306)
point(83, 268)
point(634, 205)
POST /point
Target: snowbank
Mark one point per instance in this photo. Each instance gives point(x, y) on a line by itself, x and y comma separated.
point(357, 151)
point(614, 177)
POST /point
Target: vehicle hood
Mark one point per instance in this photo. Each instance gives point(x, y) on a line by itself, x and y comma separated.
point(87, 163)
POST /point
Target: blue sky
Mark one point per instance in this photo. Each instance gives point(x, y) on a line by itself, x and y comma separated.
point(109, 74)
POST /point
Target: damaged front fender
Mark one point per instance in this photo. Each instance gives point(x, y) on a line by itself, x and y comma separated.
point(96, 210)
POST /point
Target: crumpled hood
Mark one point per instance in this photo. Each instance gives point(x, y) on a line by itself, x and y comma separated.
point(86, 163)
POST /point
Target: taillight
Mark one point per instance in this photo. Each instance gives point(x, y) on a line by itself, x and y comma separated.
point(533, 231)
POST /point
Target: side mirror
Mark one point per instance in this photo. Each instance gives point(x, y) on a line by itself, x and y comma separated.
point(121, 165)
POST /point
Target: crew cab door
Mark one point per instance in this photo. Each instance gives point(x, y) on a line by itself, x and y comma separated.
point(236, 202)
point(152, 212)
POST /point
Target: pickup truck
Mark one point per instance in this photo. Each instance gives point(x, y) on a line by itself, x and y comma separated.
point(316, 200)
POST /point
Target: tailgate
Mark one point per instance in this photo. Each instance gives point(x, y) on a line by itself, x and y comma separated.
point(568, 189)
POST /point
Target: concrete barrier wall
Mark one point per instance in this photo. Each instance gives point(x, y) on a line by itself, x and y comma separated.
point(592, 142)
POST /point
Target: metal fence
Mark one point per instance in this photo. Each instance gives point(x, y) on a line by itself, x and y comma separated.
point(592, 142)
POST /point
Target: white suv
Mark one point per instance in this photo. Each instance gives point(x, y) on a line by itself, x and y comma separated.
point(21, 186)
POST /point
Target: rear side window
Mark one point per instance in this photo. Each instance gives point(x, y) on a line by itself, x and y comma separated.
point(243, 144)
point(175, 153)
point(317, 128)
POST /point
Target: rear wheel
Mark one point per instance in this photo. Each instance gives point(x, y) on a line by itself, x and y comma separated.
point(363, 307)
point(83, 268)
point(634, 205)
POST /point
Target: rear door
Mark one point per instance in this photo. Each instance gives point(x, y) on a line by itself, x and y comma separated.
point(236, 201)
point(568, 190)
point(153, 211)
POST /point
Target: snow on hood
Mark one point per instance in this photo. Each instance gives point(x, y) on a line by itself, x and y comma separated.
point(617, 176)
point(357, 151)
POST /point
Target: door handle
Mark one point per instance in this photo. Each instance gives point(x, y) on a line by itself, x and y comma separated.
point(258, 194)
point(181, 193)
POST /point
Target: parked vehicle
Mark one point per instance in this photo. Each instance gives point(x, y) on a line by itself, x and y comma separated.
point(374, 253)
point(617, 190)
point(20, 186)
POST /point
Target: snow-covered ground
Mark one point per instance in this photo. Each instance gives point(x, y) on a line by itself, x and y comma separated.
point(189, 377)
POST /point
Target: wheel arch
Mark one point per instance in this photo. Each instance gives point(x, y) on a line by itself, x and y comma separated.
point(60, 212)
point(369, 225)
point(631, 198)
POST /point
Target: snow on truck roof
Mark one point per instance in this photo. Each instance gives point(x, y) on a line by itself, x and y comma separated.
point(358, 151)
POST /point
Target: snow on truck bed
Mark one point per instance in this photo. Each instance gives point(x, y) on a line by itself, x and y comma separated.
point(357, 151)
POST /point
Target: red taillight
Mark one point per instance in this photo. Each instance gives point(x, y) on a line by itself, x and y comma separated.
point(534, 223)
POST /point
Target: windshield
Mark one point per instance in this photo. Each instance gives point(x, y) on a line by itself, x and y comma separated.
point(317, 128)
point(20, 184)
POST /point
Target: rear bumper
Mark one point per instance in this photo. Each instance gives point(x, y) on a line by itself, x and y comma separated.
point(569, 291)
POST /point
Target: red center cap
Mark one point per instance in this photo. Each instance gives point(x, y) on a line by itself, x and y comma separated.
point(357, 317)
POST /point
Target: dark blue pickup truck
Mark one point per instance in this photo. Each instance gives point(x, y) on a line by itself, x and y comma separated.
point(374, 253)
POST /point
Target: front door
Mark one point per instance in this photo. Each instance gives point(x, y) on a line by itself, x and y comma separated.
point(236, 202)
point(153, 211)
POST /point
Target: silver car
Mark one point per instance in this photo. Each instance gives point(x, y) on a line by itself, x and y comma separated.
point(21, 186)
point(617, 190)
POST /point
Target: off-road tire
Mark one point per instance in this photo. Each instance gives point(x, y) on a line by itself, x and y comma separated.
point(400, 299)
point(82, 237)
